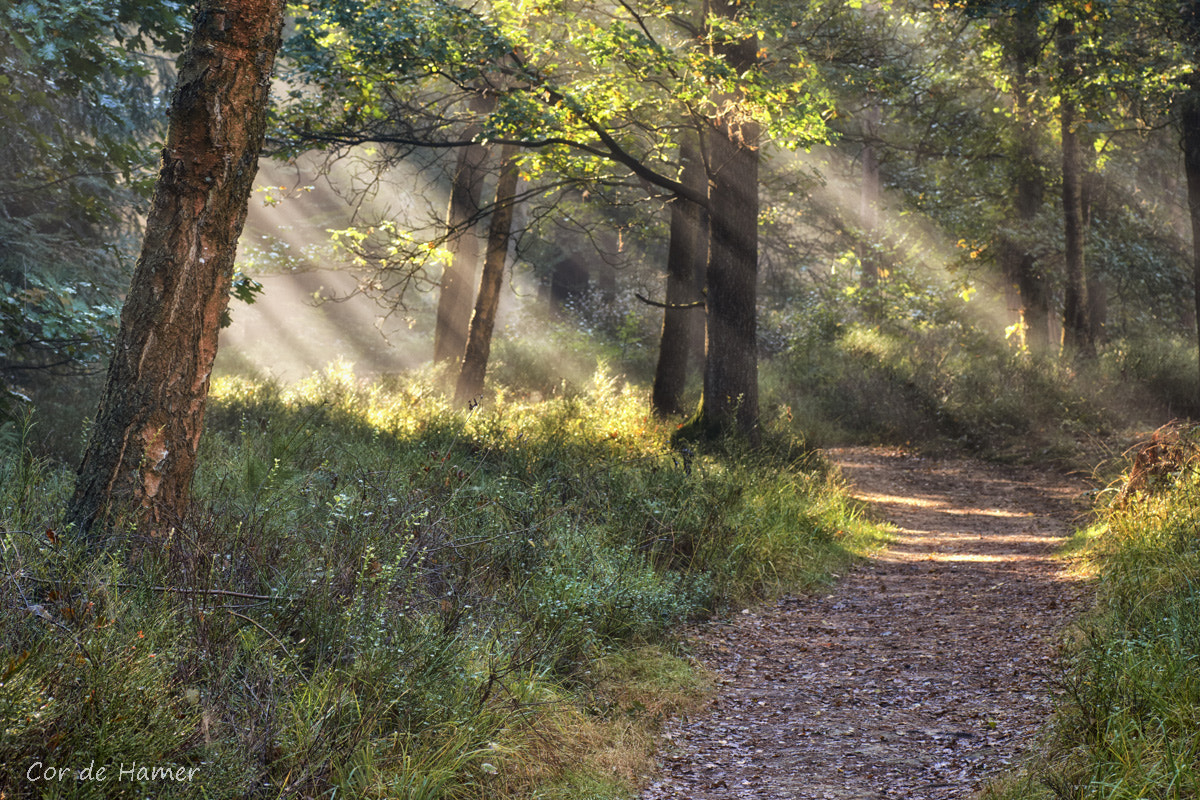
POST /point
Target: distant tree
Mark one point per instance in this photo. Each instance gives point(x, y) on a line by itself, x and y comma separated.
point(1020, 263)
point(141, 452)
point(1077, 329)
point(870, 196)
point(483, 321)
point(683, 318)
point(1189, 124)
point(458, 276)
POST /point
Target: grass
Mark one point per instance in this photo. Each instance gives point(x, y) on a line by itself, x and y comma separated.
point(378, 596)
point(1129, 726)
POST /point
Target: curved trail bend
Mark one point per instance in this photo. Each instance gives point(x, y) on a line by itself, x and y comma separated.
point(917, 675)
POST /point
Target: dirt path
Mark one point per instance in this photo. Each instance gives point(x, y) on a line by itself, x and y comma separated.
point(919, 674)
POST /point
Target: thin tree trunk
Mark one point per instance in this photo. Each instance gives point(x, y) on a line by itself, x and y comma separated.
point(686, 255)
point(141, 453)
point(1077, 338)
point(1091, 196)
point(458, 278)
point(1077, 335)
point(872, 190)
point(483, 322)
point(730, 401)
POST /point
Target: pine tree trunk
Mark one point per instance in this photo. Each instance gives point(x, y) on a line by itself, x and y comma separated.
point(458, 278)
point(686, 255)
point(483, 322)
point(141, 453)
point(1035, 302)
point(730, 400)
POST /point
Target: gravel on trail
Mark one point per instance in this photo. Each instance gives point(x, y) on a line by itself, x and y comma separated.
point(925, 670)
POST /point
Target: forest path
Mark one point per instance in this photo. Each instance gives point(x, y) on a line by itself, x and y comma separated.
point(919, 674)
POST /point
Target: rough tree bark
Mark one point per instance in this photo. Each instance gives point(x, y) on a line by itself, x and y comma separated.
point(730, 399)
point(141, 453)
point(458, 278)
point(483, 322)
point(686, 254)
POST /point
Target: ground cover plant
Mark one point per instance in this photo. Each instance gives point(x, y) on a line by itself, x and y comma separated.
point(934, 376)
point(375, 595)
point(1127, 724)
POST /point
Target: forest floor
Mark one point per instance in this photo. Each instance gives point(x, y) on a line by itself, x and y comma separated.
point(920, 674)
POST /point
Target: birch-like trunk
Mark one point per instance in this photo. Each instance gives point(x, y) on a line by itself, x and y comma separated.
point(141, 453)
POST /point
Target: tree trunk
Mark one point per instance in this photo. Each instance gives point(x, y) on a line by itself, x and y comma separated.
point(458, 278)
point(1092, 194)
point(1077, 335)
point(730, 401)
point(872, 190)
point(1189, 121)
point(1190, 139)
point(1077, 338)
point(1035, 302)
point(685, 278)
point(1019, 262)
point(141, 453)
point(483, 322)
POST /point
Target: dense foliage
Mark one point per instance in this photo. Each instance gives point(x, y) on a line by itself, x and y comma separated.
point(81, 97)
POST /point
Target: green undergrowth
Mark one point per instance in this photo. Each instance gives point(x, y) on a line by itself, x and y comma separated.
point(378, 596)
point(935, 372)
point(950, 387)
point(1128, 726)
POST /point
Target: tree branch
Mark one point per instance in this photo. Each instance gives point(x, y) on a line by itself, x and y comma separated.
point(670, 306)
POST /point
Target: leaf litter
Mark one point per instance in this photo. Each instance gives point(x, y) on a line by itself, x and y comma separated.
point(918, 675)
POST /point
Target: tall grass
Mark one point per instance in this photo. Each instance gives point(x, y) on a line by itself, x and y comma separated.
point(377, 595)
point(1129, 724)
